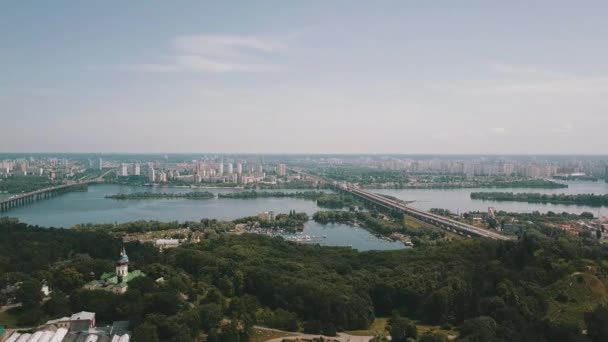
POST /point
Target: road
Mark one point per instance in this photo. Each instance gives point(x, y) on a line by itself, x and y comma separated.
point(342, 337)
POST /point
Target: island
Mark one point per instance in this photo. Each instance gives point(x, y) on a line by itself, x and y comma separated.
point(325, 200)
point(194, 195)
point(580, 199)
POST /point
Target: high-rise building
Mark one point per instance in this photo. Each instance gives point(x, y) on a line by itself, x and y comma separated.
point(124, 171)
point(100, 163)
point(281, 170)
point(151, 174)
point(230, 171)
point(239, 168)
point(136, 169)
point(220, 169)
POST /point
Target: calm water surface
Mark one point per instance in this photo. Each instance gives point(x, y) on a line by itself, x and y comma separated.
point(92, 206)
point(458, 200)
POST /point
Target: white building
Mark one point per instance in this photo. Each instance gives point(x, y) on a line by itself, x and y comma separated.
point(230, 168)
point(137, 169)
point(239, 168)
point(151, 174)
point(124, 171)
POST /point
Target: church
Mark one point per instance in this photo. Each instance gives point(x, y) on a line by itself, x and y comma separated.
point(116, 282)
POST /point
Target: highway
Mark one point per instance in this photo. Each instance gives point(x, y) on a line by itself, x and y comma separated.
point(436, 220)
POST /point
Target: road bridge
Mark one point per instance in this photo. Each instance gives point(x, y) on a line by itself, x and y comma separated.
point(23, 199)
point(433, 219)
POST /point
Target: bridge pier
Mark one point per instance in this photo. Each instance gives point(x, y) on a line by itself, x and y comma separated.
point(34, 196)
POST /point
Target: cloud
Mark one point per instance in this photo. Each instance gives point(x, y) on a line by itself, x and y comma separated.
point(526, 79)
point(524, 70)
point(214, 54)
point(226, 45)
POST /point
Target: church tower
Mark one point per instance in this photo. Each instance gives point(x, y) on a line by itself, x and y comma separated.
point(122, 266)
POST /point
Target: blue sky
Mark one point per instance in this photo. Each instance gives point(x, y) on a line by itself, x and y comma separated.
point(307, 76)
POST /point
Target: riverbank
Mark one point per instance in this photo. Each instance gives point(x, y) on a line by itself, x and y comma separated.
point(528, 197)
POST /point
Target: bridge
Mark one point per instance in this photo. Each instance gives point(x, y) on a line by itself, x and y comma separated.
point(433, 219)
point(20, 200)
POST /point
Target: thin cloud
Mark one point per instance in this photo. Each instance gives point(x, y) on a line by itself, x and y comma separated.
point(526, 79)
point(525, 70)
point(226, 45)
point(214, 54)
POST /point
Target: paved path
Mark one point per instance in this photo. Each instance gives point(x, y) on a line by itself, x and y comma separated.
point(342, 337)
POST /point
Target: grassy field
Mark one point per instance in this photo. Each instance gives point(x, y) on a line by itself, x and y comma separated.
point(575, 295)
point(259, 335)
point(422, 329)
point(378, 328)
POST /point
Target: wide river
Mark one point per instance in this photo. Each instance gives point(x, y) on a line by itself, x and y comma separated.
point(458, 200)
point(92, 206)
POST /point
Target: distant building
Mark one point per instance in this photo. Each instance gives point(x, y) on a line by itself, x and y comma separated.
point(83, 319)
point(281, 170)
point(151, 174)
point(166, 243)
point(124, 171)
point(76, 328)
point(136, 169)
point(239, 168)
point(100, 163)
point(230, 168)
point(116, 282)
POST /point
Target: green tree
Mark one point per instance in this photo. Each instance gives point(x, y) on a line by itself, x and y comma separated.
point(68, 279)
point(433, 337)
point(230, 333)
point(145, 333)
point(210, 316)
point(480, 329)
point(402, 328)
point(29, 294)
point(597, 324)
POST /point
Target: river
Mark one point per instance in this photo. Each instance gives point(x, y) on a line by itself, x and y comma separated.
point(92, 206)
point(458, 200)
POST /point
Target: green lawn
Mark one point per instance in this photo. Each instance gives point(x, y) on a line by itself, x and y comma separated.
point(422, 329)
point(378, 328)
point(259, 335)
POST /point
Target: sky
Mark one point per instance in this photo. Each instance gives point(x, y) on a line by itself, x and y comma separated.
point(487, 77)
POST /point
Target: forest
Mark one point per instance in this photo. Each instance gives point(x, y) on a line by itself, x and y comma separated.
point(534, 289)
point(18, 184)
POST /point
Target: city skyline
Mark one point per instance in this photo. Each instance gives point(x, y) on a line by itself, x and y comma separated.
point(270, 77)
